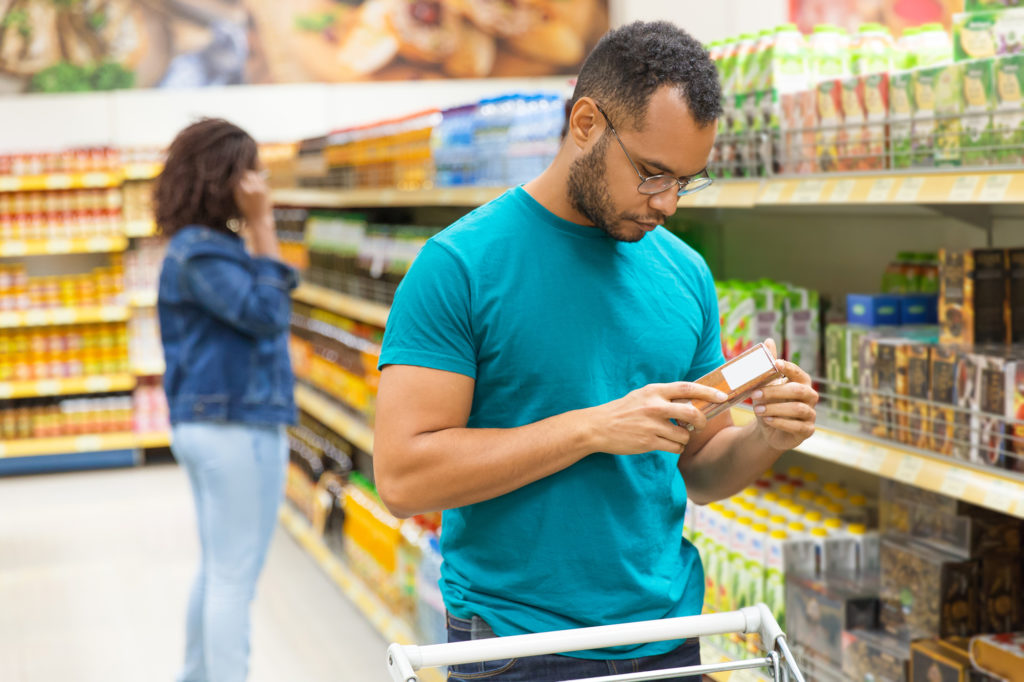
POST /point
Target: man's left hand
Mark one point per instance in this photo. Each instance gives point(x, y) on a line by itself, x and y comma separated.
point(785, 411)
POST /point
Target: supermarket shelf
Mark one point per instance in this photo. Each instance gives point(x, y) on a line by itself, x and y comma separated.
point(31, 447)
point(989, 488)
point(363, 198)
point(725, 194)
point(51, 181)
point(157, 439)
point(140, 228)
point(390, 626)
point(341, 422)
point(75, 461)
point(48, 387)
point(62, 316)
point(342, 304)
point(142, 299)
point(54, 247)
point(142, 171)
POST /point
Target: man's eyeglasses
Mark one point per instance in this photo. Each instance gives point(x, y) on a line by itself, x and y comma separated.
point(656, 184)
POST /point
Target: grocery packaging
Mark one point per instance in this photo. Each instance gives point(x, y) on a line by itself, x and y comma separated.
point(799, 114)
point(988, 408)
point(874, 655)
point(1001, 592)
point(1008, 119)
point(829, 53)
point(770, 300)
point(1001, 655)
point(913, 381)
point(878, 384)
point(739, 377)
point(926, 592)
point(977, 35)
point(1016, 302)
point(916, 309)
point(802, 337)
point(830, 134)
point(839, 397)
point(901, 113)
point(950, 428)
point(973, 297)
point(1015, 415)
point(785, 58)
point(936, 116)
point(818, 612)
point(977, 104)
point(873, 310)
point(872, 51)
point(931, 662)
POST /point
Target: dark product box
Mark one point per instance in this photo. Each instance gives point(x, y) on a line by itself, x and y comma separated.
point(912, 381)
point(950, 428)
point(875, 656)
point(973, 290)
point(817, 612)
point(932, 662)
point(961, 647)
point(1015, 415)
point(878, 386)
point(1000, 608)
point(925, 592)
point(988, 406)
point(1015, 259)
point(873, 310)
point(919, 309)
point(970, 533)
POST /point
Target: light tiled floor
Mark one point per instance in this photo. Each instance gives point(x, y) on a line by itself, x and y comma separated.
point(95, 569)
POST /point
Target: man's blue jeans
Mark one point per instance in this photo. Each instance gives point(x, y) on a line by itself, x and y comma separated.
point(237, 477)
point(557, 668)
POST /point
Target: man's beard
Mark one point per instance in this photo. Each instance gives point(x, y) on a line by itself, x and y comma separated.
point(589, 196)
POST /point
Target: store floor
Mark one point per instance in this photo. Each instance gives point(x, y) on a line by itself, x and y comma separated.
point(95, 568)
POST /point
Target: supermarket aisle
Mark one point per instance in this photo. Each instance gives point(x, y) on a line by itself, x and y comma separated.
point(94, 572)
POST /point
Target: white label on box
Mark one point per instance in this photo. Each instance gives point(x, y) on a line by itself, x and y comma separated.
point(843, 190)
point(909, 468)
point(808, 191)
point(772, 192)
point(909, 189)
point(880, 190)
point(964, 188)
point(995, 187)
point(747, 368)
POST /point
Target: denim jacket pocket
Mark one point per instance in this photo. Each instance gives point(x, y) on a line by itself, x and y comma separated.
point(268, 382)
point(206, 407)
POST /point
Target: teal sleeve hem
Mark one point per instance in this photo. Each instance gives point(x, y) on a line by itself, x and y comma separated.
point(422, 358)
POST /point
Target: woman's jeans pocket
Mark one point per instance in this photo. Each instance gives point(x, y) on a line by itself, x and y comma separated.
point(462, 630)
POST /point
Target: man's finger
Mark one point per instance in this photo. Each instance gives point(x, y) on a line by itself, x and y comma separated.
point(795, 426)
point(688, 390)
point(686, 413)
point(793, 372)
point(789, 392)
point(789, 410)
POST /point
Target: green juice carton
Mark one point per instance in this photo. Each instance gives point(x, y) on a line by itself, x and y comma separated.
point(786, 60)
point(978, 100)
point(802, 331)
point(738, 324)
point(901, 111)
point(1008, 119)
point(770, 318)
point(840, 397)
point(936, 121)
point(991, 33)
point(775, 575)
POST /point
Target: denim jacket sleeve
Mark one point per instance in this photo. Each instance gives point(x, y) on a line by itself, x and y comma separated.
point(250, 294)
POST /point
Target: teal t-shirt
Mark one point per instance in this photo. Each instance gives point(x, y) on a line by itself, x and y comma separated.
point(549, 316)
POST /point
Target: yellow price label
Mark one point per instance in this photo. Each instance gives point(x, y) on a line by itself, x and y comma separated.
point(58, 246)
point(772, 192)
point(955, 483)
point(10, 183)
point(15, 248)
point(843, 190)
point(880, 190)
point(995, 187)
point(808, 191)
point(964, 188)
point(64, 315)
point(95, 180)
point(908, 469)
point(97, 384)
point(6, 390)
point(88, 444)
point(34, 318)
point(49, 387)
point(909, 189)
point(58, 181)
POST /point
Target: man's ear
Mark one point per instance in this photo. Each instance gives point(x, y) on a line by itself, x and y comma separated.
point(584, 122)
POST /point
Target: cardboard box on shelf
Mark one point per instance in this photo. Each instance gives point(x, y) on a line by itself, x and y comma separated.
point(875, 655)
point(803, 330)
point(912, 381)
point(978, 101)
point(1001, 655)
point(931, 662)
point(901, 112)
point(988, 408)
point(936, 120)
point(973, 288)
point(797, 130)
point(1015, 262)
point(818, 612)
point(878, 386)
point(989, 33)
point(1008, 119)
point(1001, 592)
point(1015, 415)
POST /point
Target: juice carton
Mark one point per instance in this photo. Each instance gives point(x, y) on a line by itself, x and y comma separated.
point(852, 138)
point(785, 59)
point(775, 575)
point(988, 404)
point(746, 64)
point(875, 89)
point(770, 319)
point(799, 115)
point(912, 381)
point(1015, 259)
point(973, 292)
point(901, 110)
point(737, 325)
point(950, 428)
point(978, 103)
point(979, 35)
point(1015, 415)
point(803, 330)
point(829, 98)
point(1008, 120)
point(936, 119)
point(872, 50)
point(840, 400)
point(829, 53)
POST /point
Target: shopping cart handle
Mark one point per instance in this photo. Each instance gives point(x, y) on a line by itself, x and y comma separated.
point(403, 661)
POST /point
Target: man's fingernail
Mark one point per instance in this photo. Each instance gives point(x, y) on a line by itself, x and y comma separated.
point(722, 397)
point(760, 409)
point(757, 395)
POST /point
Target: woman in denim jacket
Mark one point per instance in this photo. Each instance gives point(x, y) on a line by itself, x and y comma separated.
point(224, 316)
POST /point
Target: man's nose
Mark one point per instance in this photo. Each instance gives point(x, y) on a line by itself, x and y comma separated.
point(665, 202)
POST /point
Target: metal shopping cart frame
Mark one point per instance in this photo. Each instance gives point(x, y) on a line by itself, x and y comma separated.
point(404, 660)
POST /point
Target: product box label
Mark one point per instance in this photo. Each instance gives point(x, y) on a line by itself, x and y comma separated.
point(988, 423)
point(1008, 120)
point(936, 120)
point(901, 110)
point(979, 35)
point(829, 97)
point(977, 105)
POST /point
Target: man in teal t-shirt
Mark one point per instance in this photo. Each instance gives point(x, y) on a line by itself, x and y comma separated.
point(536, 369)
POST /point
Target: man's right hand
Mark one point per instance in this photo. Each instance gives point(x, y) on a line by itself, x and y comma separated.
point(641, 422)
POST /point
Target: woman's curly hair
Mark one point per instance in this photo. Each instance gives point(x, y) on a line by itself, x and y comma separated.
point(204, 164)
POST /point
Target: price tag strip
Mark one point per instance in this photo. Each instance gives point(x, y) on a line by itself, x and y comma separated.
point(995, 187)
point(964, 188)
point(880, 190)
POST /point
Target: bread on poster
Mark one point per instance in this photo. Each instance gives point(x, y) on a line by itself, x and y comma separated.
point(427, 30)
point(475, 54)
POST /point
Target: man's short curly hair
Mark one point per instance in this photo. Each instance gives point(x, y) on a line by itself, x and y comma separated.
point(630, 63)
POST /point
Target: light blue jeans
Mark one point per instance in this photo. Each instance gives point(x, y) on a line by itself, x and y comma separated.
point(237, 476)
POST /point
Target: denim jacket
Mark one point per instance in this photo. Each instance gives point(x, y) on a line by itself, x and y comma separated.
point(224, 320)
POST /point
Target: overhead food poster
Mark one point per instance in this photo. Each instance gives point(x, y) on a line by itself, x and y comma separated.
point(850, 14)
point(83, 45)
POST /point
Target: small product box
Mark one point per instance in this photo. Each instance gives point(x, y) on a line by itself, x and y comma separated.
point(988, 408)
point(926, 593)
point(978, 100)
point(913, 381)
point(803, 330)
point(1015, 415)
point(875, 88)
point(950, 428)
point(936, 119)
point(799, 116)
point(873, 310)
point(901, 112)
point(840, 400)
point(852, 151)
point(874, 655)
point(973, 288)
point(1008, 120)
point(991, 33)
point(738, 378)
point(878, 385)
point(1001, 655)
point(1001, 593)
point(932, 662)
point(1016, 303)
point(967, 532)
point(916, 309)
point(829, 97)
point(770, 318)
